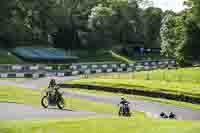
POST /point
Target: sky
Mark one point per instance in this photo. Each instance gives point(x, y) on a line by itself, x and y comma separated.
point(175, 5)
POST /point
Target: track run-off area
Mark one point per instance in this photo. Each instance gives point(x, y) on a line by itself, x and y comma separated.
point(20, 111)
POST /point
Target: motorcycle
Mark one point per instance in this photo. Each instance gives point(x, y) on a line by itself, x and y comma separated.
point(124, 110)
point(170, 116)
point(53, 98)
point(163, 115)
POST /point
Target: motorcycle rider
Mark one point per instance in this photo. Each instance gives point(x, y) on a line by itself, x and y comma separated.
point(53, 96)
point(123, 101)
point(172, 115)
point(163, 115)
point(124, 104)
point(52, 88)
point(52, 84)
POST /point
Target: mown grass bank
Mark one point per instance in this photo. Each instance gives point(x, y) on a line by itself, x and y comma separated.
point(8, 58)
point(137, 124)
point(190, 89)
point(179, 81)
point(165, 101)
point(27, 96)
point(170, 75)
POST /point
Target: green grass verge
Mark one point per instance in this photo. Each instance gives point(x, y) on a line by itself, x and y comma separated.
point(179, 81)
point(137, 124)
point(126, 60)
point(190, 89)
point(152, 56)
point(19, 95)
point(181, 75)
point(8, 58)
point(32, 97)
point(96, 56)
point(165, 101)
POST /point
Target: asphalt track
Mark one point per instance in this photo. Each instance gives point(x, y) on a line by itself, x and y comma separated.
point(150, 108)
point(13, 111)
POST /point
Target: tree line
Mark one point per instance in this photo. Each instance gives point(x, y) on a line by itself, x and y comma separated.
point(96, 24)
point(77, 23)
point(180, 33)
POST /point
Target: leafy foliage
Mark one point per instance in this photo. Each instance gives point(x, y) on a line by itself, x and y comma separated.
point(179, 33)
point(152, 23)
point(167, 33)
point(71, 23)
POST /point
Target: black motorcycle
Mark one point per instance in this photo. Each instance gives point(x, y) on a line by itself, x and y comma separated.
point(53, 98)
point(170, 116)
point(163, 115)
point(124, 110)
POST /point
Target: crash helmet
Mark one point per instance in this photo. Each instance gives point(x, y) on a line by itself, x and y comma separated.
point(122, 98)
point(53, 82)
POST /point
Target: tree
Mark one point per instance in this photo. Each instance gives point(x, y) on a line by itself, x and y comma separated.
point(101, 21)
point(36, 17)
point(180, 36)
point(122, 19)
point(190, 46)
point(194, 7)
point(73, 16)
point(152, 25)
point(168, 35)
point(6, 13)
point(23, 21)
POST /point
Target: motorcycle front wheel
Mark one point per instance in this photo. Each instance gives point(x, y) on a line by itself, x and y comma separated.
point(61, 103)
point(45, 102)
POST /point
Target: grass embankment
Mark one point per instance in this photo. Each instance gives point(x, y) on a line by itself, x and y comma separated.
point(139, 123)
point(120, 57)
point(32, 97)
point(136, 124)
point(180, 81)
point(147, 56)
point(170, 75)
point(190, 89)
point(18, 95)
point(165, 101)
point(8, 58)
point(99, 56)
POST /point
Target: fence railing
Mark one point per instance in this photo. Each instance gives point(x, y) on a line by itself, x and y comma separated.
point(78, 69)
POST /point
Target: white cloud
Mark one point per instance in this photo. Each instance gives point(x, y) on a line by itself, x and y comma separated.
point(175, 5)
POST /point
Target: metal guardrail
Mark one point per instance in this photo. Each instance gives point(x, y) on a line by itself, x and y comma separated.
point(32, 70)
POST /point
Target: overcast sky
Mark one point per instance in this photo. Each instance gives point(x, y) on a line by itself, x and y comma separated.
point(175, 5)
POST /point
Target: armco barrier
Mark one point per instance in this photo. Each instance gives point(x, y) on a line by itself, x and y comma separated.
point(183, 98)
point(85, 69)
point(28, 67)
point(156, 64)
point(37, 67)
point(22, 75)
